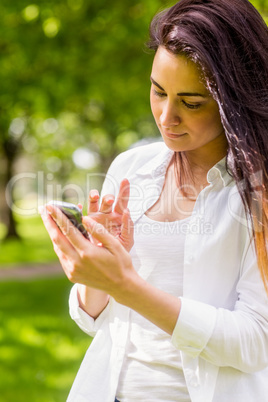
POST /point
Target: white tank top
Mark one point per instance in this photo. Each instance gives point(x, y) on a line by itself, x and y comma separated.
point(152, 369)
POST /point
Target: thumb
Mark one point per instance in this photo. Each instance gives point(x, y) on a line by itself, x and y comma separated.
point(99, 233)
point(127, 231)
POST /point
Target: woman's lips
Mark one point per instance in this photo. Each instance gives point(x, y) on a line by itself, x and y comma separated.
point(173, 135)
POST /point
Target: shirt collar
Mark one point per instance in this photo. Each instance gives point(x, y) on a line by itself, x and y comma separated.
point(219, 170)
point(157, 167)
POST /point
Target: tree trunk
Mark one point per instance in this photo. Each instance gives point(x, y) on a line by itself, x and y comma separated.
point(10, 149)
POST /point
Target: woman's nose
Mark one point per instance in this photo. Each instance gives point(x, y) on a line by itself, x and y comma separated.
point(169, 116)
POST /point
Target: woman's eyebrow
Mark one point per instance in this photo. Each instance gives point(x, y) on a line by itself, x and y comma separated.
point(156, 84)
point(180, 93)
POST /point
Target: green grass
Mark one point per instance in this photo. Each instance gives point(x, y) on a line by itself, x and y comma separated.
point(41, 348)
point(34, 247)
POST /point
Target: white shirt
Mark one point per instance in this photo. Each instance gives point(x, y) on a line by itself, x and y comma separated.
point(222, 329)
point(152, 366)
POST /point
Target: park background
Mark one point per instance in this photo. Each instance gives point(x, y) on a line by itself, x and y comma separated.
point(74, 93)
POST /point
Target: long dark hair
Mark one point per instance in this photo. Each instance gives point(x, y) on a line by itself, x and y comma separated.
point(228, 39)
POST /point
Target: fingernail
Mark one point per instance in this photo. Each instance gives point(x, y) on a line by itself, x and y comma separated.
point(41, 209)
point(85, 221)
point(94, 193)
point(48, 209)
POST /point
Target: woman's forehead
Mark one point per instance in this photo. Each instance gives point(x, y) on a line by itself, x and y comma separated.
point(178, 69)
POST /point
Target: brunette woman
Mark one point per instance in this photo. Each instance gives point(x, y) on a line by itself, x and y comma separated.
point(183, 314)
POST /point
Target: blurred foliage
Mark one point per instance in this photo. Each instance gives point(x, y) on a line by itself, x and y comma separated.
point(74, 74)
point(34, 247)
point(78, 61)
point(41, 349)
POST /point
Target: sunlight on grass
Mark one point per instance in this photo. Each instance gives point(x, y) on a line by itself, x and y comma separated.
point(41, 347)
point(34, 247)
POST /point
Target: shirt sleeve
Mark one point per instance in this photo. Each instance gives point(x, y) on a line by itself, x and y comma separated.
point(236, 338)
point(85, 322)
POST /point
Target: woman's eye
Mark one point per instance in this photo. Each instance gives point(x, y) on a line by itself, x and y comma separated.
point(191, 105)
point(160, 94)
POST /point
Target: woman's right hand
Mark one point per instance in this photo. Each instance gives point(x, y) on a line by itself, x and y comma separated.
point(113, 213)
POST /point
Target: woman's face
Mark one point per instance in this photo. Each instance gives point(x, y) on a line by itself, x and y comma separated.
point(186, 114)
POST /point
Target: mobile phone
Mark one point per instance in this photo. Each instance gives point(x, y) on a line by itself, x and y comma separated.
point(73, 213)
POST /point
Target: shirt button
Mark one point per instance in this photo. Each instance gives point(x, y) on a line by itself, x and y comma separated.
point(193, 383)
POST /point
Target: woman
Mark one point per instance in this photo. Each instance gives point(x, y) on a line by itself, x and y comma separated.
point(183, 314)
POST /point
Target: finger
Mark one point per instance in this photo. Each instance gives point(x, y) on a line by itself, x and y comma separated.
point(99, 233)
point(123, 197)
point(73, 235)
point(127, 231)
point(107, 204)
point(62, 247)
point(93, 202)
point(60, 242)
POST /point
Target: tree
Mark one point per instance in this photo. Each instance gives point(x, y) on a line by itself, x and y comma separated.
point(72, 57)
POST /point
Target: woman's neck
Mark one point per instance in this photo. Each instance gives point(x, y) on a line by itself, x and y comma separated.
point(203, 159)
